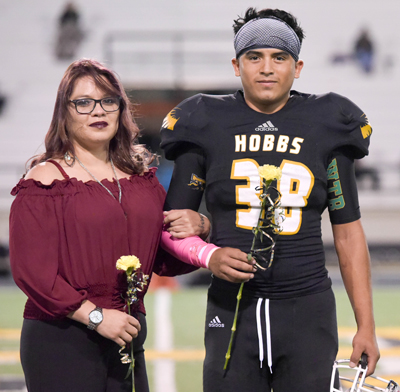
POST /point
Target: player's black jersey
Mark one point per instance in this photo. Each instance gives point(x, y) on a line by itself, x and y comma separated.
point(218, 143)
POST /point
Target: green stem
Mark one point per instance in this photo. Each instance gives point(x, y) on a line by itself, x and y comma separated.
point(228, 353)
point(132, 364)
point(256, 231)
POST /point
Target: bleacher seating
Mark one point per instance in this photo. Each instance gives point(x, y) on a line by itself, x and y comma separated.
point(30, 73)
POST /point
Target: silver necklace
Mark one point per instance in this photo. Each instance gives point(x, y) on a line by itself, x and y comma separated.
point(115, 174)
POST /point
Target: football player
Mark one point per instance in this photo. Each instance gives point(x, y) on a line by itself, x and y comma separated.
point(286, 337)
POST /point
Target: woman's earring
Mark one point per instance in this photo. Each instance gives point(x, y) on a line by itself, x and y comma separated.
point(68, 159)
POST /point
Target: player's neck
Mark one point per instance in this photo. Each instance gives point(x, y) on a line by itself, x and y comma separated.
point(267, 107)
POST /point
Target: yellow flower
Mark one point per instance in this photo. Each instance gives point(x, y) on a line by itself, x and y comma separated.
point(270, 172)
point(125, 262)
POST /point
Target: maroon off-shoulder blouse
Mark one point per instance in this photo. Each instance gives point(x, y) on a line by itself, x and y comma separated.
point(65, 239)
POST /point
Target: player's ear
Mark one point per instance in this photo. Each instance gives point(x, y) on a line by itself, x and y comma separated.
point(298, 67)
point(235, 64)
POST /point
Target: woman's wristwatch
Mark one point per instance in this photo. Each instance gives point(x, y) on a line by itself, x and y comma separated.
point(95, 318)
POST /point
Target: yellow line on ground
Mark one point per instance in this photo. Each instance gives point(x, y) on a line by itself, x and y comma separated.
point(198, 355)
point(176, 355)
point(345, 352)
point(389, 333)
point(384, 332)
point(151, 355)
point(9, 357)
point(10, 334)
point(394, 377)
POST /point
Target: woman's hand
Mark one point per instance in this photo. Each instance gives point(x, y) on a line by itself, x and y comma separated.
point(118, 326)
point(186, 223)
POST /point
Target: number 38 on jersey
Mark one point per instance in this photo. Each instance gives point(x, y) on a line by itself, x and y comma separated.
point(295, 186)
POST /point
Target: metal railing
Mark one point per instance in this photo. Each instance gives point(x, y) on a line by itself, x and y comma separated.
point(171, 59)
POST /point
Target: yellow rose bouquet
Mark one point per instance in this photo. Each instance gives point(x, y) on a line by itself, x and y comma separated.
point(269, 225)
point(137, 281)
point(270, 219)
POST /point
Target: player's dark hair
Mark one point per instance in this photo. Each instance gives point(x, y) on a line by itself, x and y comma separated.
point(252, 13)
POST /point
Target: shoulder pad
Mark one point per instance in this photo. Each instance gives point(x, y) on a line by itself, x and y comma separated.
point(351, 125)
point(183, 125)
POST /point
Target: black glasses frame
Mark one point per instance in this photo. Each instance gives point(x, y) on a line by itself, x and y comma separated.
point(96, 101)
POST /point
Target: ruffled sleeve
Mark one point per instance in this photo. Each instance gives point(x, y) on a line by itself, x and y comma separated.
point(36, 236)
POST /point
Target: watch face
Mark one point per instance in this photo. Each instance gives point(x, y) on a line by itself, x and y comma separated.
point(96, 316)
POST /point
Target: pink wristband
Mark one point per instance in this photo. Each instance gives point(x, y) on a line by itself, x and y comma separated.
point(191, 250)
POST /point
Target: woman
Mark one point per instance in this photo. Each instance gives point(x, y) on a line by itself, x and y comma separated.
point(87, 201)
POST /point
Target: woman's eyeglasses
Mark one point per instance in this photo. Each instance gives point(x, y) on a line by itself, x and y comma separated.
point(87, 105)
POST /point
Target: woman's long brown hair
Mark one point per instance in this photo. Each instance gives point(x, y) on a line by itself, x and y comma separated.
point(127, 155)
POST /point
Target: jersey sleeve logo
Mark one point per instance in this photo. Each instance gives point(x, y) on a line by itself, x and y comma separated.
point(336, 199)
point(366, 129)
point(196, 183)
point(171, 119)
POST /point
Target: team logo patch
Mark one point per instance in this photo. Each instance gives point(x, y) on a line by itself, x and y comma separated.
point(366, 129)
point(197, 183)
point(215, 323)
point(267, 127)
point(171, 119)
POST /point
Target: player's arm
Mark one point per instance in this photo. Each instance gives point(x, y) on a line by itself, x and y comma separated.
point(353, 254)
point(184, 195)
point(354, 262)
point(185, 192)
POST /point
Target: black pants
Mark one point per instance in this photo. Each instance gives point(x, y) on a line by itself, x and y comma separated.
point(65, 356)
point(304, 343)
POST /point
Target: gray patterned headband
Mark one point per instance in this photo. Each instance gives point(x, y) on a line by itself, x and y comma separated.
point(267, 33)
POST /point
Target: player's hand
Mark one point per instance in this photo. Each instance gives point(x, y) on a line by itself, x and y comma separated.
point(232, 265)
point(186, 223)
point(118, 326)
point(365, 342)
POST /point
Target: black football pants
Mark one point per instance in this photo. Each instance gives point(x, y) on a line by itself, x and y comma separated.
point(287, 344)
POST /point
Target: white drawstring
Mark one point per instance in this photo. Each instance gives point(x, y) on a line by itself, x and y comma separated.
point(259, 332)
point(267, 331)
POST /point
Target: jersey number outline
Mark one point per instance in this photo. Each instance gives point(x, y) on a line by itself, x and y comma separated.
point(295, 186)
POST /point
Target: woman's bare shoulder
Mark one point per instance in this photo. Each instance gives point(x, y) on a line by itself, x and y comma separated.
point(45, 172)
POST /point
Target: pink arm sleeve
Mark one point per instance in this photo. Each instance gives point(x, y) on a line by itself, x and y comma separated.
point(191, 250)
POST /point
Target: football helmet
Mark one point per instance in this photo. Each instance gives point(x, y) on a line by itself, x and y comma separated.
point(355, 379)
